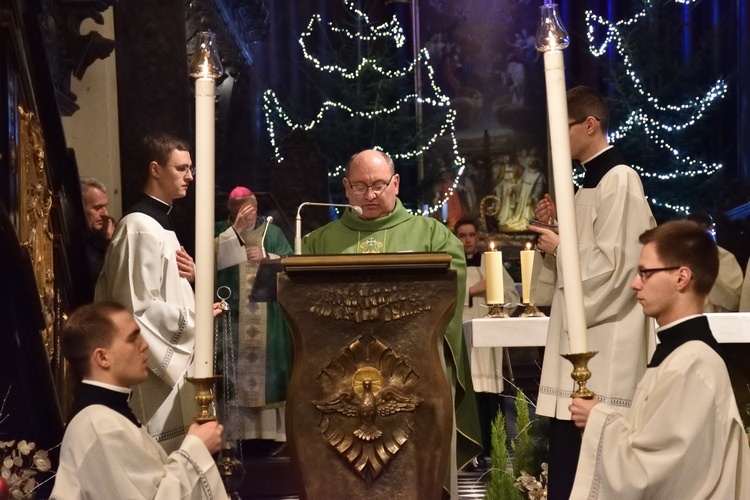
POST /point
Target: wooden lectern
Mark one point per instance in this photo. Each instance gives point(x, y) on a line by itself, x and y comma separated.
point(369, 409)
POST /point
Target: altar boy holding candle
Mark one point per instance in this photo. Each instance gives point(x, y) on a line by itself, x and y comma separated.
point(149, 272)
point(611, 212)
point(684, 437)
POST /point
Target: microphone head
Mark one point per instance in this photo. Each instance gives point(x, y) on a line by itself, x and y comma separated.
point(357, 210)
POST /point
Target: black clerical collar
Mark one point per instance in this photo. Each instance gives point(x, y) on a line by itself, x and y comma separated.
point(672, 337)
point(598, 166)
point(475, 260)
point(154, 208)
point(87, 394)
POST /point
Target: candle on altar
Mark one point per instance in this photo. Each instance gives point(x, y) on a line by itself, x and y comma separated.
point(551, 39)
point(493, 266)
point(527, 264)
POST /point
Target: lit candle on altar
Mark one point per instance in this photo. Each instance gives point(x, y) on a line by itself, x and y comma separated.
point(205, 67)
point(493, 268)
point(527, 264)
point(551, 39)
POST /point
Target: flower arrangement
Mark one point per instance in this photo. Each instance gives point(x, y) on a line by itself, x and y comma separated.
point(534, 487)
point(20, 463)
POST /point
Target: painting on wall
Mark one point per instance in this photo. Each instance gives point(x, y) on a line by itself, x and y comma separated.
point(486, 61)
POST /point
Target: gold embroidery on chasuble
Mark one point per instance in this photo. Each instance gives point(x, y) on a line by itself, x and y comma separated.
point(252, 332)
point(372, 243)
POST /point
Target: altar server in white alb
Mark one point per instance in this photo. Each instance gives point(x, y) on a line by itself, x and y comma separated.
point(149, 272)
point(726, 292)
point(105, 452)
point(684, 437)
point(611, 212)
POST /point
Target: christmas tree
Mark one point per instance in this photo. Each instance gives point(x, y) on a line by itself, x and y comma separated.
point(365, 75)
point(664, 95)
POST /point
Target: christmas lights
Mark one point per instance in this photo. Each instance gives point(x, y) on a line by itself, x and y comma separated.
point(275, 114)
point(677, 117)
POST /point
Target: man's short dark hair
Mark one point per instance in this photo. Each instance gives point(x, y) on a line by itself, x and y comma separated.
point(464, 221)
point(89, 327)
point(158, 146)
point(584, 102)
point(686, 243)
point(702, 217)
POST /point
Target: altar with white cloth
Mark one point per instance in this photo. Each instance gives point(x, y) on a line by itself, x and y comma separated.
point(728, 328)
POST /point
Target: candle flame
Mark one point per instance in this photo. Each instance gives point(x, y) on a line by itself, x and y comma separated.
point(528, 245)
point(492, 246)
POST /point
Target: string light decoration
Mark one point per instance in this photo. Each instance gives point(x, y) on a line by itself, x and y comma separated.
point(677, 117)
point(276, 116)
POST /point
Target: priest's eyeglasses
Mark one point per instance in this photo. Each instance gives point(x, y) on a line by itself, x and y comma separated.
point(377, 188)
point(646, 273)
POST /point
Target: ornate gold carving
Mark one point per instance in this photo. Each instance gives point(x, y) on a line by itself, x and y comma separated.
point(365, 383)
point(489, 206)
point(35, 203)
point(367, 302)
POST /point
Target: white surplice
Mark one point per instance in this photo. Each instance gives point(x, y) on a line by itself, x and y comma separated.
point(725, 294)
point(140, 272)
point(610, 218)
point(104, 455)
point(745, 294)
point(684, 437)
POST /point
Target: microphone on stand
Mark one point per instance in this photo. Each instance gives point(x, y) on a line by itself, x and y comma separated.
point(269, 220)
point(298, 233)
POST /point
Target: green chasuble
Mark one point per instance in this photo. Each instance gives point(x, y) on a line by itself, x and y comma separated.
point(262, 338)
point(403, 232)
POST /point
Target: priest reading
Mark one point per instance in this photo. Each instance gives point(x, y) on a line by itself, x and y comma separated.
point(372, 183)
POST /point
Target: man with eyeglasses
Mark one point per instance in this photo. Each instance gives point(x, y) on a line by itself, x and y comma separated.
point(684, 437)
point(385, 226)
point(611, 211)
point(150, 273)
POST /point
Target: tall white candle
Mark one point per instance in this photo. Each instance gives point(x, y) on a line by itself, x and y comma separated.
point(527, 263)
point(557, 108)
point(493, 268)
point(204, 226)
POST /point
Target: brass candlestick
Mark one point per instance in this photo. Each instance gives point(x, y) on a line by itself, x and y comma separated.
point(205, 396)
point(496, 311)
point(581, 372)
point(532, 311)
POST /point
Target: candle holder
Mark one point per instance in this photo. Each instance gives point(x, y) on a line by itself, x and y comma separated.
point(532, 311)
point(205, 388)
point(581, 372)
point(496, 311)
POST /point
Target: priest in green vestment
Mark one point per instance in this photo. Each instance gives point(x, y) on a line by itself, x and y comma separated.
point(263, 341)
point(385, 226)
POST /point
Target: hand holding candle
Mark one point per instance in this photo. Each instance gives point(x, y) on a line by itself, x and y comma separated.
point(527, 263)
point(493, 263)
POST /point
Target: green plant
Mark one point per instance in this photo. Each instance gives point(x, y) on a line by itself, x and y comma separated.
point(501, 483)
